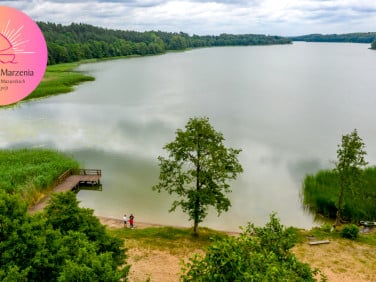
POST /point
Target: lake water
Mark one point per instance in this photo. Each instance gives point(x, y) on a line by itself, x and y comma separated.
point(285, 106)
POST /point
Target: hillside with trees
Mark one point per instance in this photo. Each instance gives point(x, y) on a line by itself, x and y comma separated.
point(77, 42)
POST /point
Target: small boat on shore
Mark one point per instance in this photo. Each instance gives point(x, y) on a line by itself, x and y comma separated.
point(367, 223)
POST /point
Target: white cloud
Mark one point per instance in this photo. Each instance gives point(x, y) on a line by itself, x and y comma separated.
point(282, 17)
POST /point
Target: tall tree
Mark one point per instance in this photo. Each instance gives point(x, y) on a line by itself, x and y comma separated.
point(198, 169)
point(350, 155)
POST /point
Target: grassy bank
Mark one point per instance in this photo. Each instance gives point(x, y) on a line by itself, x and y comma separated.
point(321, 196)
point(32, 172)
point(175, 240)
point(59, 79)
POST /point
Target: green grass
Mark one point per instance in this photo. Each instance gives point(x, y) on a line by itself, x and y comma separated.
point(367, 238)
point(324, 232)
point(174, 240)
point(32, 172)
point(59, 79)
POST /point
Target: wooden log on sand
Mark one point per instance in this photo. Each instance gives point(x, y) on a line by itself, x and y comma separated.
point(312, 243)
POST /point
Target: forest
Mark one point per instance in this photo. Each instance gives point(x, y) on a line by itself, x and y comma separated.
point(360, 37)
point(80, 41)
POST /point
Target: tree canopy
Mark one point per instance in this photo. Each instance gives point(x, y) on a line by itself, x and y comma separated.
point(197, 170)
point(358, 37)
point(66, 243)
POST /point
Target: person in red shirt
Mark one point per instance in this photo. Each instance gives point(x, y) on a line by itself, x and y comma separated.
point(131, 217)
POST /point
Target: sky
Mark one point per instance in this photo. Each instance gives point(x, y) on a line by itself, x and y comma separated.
point(210, 17)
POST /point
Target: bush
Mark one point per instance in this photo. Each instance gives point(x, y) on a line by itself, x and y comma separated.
point(350, 232)
point(33, 249)
point(326, 227)
point(258, 254)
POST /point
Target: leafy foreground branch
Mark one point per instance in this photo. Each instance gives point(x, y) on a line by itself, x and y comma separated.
point(258, 254)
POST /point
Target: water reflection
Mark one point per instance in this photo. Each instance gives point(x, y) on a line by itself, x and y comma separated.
point(280, 104)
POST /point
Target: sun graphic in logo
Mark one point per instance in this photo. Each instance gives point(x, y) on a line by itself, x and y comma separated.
point(11, 43)
point(23, 55)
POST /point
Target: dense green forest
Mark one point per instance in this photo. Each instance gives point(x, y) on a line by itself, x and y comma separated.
point(321, 196)
point(62, 243)
point(77, 42)
point(360, 37)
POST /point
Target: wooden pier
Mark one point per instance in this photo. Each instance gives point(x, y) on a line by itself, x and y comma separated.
point(72, 180)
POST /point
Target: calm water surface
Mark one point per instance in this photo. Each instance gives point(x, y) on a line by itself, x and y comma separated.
point(285, 106)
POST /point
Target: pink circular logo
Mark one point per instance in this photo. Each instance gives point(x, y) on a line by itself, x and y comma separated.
point(23, 55)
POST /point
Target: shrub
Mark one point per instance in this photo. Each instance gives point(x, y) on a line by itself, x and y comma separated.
point(258, 254)
point(32, 249)
point(350, 232)
point(326, 227)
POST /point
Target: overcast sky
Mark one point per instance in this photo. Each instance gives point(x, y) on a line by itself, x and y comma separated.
point(275, 17)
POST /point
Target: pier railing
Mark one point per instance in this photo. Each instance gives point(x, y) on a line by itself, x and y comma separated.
point(64, 176)
point(90, 172)
point(70, 172)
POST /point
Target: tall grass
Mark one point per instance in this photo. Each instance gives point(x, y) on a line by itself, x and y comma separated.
point(321, 192)
point(32, 172)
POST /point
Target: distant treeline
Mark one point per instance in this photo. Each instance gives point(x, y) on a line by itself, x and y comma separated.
point(77, 42)
point(360, 37)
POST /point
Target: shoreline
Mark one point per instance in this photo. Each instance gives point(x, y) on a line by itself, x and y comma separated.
point(116, 223)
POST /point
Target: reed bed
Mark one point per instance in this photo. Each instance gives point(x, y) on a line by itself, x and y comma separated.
point(32, 172)
point(320, 195)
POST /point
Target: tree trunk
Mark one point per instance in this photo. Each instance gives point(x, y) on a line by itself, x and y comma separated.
point(197, 200)
point(197, 203)
point(340, 200)
point(195, 228)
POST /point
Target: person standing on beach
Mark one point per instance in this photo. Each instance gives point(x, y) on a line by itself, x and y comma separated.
point(125, 220)
point(131, 217)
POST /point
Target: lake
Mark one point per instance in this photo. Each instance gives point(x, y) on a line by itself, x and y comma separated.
point(285, 106)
